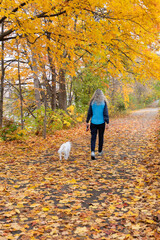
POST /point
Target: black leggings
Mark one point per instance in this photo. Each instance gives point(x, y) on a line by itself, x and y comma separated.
point(94, 129)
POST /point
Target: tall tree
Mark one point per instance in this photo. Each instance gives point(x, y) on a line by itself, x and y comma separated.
point(34, 68)
point(53, 73)
point(62, 96)
point(2, 77)
point(20, 89)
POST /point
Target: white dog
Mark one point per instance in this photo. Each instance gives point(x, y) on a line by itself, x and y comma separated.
point(64, 149)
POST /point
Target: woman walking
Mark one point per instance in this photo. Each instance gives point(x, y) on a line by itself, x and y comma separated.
point(98, 113)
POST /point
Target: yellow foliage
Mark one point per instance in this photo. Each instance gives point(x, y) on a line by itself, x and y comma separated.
point(124, 31)
point(79, 119)
point(71, 109)
point(66, 124)
point(126, 91)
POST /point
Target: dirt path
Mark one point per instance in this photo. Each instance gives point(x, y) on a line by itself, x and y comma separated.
point(113, 197)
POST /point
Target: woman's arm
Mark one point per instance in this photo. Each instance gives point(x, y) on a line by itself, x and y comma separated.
point(89, 114)
point(105, 113)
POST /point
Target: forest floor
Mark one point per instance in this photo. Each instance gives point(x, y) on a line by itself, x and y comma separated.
point(116, 196)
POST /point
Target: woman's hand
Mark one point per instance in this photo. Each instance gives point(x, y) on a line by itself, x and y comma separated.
point(107, 126)
point(87, 126)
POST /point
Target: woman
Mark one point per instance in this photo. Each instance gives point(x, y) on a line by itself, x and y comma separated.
point(98, 113)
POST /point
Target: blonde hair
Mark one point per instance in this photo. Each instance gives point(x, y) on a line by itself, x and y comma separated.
point(98, 97)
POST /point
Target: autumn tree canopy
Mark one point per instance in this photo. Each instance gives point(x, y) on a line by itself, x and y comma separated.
point(122, 35)
point(43, 42)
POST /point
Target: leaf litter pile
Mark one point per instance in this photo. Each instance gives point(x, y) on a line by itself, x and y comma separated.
point(116, 196)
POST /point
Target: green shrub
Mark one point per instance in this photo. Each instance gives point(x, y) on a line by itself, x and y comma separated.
point(55, 120)
point(9, 130)
point(120, 106)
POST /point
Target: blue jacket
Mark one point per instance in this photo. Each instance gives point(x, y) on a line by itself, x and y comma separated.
point(98, 113)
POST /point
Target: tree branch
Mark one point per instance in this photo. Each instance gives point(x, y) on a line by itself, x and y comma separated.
point(22, 99)
point(14, 10)
point(42, 15)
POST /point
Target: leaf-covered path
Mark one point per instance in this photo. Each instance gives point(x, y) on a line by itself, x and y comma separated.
point(116, 196)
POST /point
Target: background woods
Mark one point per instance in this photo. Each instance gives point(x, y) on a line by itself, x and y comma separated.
point(55, 54)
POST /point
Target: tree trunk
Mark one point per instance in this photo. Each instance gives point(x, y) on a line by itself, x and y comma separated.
point(33, 65)
point(53, 88)
point(53, 72)
point(20, 91)
point(2, 80)
point(62, 95)
point(70, 98)
point(36, 81)
point(45, 116)
point(113, 90)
